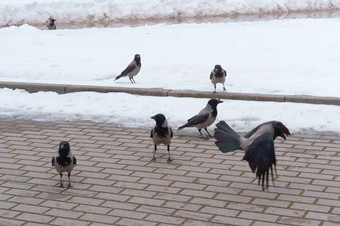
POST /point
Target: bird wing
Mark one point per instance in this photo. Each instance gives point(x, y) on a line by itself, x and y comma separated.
point(52, 161)
point(151, 134)
point(129, 68)
point(224, 73)
point(74, 160)
point(171, 133)
point(211, 74)
point(261, 157)
point(197, 119)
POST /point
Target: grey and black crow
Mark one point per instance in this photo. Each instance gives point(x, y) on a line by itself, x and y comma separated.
point(132, 69)
point(218, 75)
point(258, 145)
point(161, 134)
point(205, 117)
point(64, 161)
point(50, 24)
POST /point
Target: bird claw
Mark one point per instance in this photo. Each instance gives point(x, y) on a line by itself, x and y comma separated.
point(169, 160)
point(153, 160)
point(69, 185)
point(61, 185)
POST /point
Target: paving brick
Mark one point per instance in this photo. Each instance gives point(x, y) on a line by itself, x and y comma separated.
point(231, 220)
point(34, 217)
point(165, 219)
point(258, 216)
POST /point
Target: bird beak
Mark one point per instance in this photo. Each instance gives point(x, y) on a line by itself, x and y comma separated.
point(283, 136)
point(154, 117)
point(219, 101)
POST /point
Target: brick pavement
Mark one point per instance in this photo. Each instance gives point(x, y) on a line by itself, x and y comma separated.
point(115, 182)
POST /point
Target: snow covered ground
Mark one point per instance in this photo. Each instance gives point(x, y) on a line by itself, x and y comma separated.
point(135, 111)
point(17, 12)
point(280, 56)
point(292, 56)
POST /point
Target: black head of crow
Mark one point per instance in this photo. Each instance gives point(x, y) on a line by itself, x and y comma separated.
point(218, 70)
point(64, 149)
point(258, 145)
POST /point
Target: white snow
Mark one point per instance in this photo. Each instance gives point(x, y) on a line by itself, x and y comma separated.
point(298, 56)
point(291, 56)
point(135, 111)
point(14, 12)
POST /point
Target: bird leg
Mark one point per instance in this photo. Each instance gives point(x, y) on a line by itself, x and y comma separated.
point(224, 88)
point(214, 89)
point(69, 180)
point(169, 159)
point(208, 132)
point(154, 153)
point(199, 130)
point(61, 180)
point(133, 80)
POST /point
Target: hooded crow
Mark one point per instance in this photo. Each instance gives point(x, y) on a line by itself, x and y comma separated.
point(64, 161)
point(50, 24)
point(218, 75)
point(258, 145)
point(161, 134)
point(132, 69)
point(205, 117)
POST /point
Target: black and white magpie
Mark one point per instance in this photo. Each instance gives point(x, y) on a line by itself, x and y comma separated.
point(161, 134)
point(218, 75)
point(64, 161)
point(258, 145)
point(205, 117)
point(132, 69)
point(50, 24)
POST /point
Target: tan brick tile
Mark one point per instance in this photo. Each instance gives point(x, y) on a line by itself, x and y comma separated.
point(140, 193)
point(204, 194)
point(270, 202)
point(8, 213)
point(259, 194)
point(58, 204)
point(261, 223)
point(219, 211)
point(26, 200)
point(245, 207)
point(156, 210)
point(127, 214)
point(321, 195)
point(125, 221)
point(92, 209)
point(22, 192)
point(294, 198)
point(298, 221)
point(5, 222)
point(285, 212)
point(310, 207)
point(119, 205)
point(64, 213)
point(258, 216)
point(64, 222)
point(182, 206)
point(165, 219)
point(155, 181)
point(172, 197)
point(233, 198)
point(30, 208)
point(113, 197)
point(99, 218)
point(188, 185)
point(231, 220)
point(328, 202)
point(34, 217)
point(323, 216)
point(178, 178)
point(83, 200)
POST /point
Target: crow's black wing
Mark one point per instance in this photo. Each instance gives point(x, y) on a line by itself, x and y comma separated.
point(74, 160)
point(197, 119)
point(151, 134)
point(211, 74)
point(129, 68)
point(261, 158)
point(171, 133)
point(52, 161)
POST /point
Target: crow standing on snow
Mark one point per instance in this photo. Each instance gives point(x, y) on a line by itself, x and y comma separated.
point(258, 145)
point(218, 75)
point(50, 24)
point(132, 69)
point(161, 134)
point(64, 161)
point(205, 117)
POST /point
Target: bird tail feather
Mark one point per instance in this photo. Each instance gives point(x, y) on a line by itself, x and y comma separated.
point(118, 77)
point(227, 139)
point(182, 127)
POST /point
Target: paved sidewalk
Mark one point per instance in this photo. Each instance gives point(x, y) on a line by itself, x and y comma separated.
point(116, 184)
